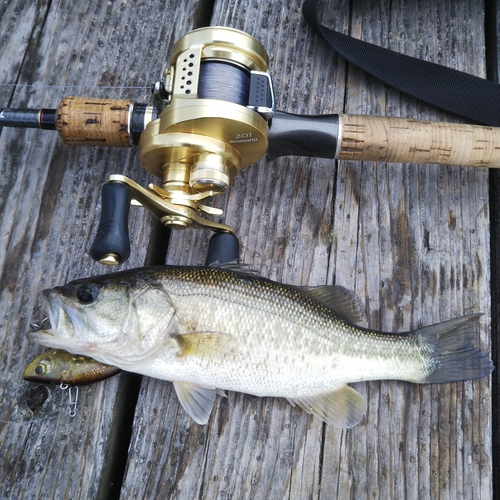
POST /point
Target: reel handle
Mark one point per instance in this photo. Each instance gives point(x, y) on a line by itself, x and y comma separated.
point(112, 243)
point(385, 139)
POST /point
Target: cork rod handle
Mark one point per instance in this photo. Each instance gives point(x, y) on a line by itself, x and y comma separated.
point(94, 122)
point(387, 139)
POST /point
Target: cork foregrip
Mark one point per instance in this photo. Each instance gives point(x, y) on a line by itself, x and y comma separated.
point(402, 140)
point(94, 122)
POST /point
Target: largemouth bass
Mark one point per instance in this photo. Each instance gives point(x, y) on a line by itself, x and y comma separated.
point(57, 366)
point(209, 329)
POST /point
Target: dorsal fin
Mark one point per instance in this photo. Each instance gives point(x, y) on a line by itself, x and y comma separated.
point(338, 299)
point(236, 267)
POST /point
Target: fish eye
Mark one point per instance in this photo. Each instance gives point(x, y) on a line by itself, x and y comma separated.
point(40, 369)
point(86, 294)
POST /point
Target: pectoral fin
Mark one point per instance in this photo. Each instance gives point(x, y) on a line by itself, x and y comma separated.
point(198, 401)
point(203, 343)
point(344, 407)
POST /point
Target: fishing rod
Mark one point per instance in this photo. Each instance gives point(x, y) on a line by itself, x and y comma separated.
point(214, 114)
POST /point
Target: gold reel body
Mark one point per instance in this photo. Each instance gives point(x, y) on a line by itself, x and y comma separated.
point(199, 144)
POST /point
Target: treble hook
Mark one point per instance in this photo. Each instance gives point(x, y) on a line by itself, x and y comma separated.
point(73, 398)
point(38, 326)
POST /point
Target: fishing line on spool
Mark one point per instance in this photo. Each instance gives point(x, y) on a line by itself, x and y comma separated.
point(224, 81)
point(218, 80)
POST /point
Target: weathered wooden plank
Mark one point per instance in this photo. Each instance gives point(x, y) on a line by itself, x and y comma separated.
point(251, 445)
point(19, 21)
point(49, 211)
point(411, 240)
point(338, 223)
point(420, 247)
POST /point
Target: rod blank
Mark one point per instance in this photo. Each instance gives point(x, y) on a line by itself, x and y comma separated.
point(28, 118)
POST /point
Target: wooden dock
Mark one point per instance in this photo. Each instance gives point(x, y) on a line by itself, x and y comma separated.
point(418, 244)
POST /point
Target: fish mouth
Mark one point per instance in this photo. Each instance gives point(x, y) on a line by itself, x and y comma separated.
point(60, 323)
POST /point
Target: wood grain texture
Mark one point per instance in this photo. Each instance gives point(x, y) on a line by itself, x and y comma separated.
point(390, 139)
point(421, 250)
point(411, 240)
point(49, 212)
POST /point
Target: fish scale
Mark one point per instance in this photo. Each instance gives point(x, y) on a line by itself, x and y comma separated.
point(312, 324)
point(224, 328)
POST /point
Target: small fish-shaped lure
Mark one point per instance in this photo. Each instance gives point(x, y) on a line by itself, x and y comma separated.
point(57, 366)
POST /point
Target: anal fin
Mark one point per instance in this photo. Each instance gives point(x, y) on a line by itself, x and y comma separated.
point(197, 400)
point(344, 407)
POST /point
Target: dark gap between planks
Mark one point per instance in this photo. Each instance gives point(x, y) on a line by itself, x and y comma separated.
point(491, 13)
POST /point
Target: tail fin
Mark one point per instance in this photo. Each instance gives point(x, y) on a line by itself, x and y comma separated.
point(455, 357)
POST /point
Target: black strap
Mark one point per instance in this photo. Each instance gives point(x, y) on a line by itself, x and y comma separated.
point(449, 89)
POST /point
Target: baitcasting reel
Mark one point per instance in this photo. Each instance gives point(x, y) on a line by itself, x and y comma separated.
point(215, 103)
point(214, 114)
point(210, 120)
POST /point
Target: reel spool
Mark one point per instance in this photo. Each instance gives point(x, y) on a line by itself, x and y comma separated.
point(214, 103)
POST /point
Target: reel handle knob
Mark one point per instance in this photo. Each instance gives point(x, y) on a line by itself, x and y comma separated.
point(112, 244)
point(223, 247)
